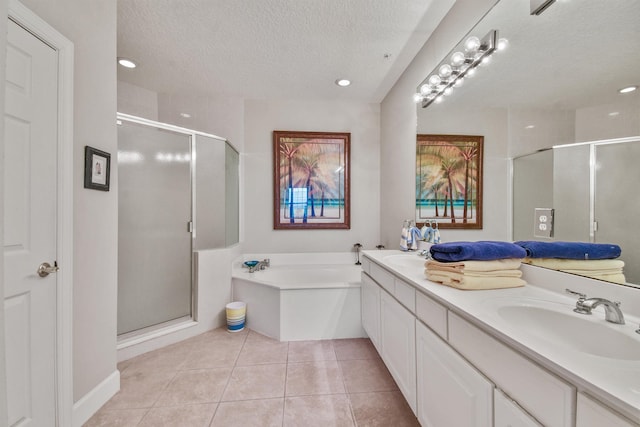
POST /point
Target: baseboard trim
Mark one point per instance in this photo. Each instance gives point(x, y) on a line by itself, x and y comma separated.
point(89, 404)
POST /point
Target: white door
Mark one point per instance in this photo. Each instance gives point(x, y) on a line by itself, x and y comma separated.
point(30, 167)
point(398, 345)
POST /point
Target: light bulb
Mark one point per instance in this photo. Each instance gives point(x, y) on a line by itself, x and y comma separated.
point(486, 60)
point(471, 72)
point(628, 89)
point(438, 99)
point(448, 91)
point(434, 80)
point(417, 97)
point(503, 44)
point(457, 59)
point(459, 82)
point(445, 71)
point(425, 89)
point(472, 44)
point(127, 63)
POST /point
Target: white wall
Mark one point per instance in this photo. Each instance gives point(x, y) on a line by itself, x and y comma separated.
point(398, 135)
point(261, 119)
point(137, 101)
point(91, 26)
point(3, 55)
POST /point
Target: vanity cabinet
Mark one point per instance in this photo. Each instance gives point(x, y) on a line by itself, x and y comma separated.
point(593, 414)
point(398, 345)
point(450, 391)
point(452, 372)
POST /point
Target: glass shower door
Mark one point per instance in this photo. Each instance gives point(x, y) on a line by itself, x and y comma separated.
point(154, 240)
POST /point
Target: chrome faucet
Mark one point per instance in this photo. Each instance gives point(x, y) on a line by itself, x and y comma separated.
point(584, 305)
point(261, 265)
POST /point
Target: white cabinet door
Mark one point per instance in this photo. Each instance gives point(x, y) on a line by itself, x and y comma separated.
point(370, 294)
point(398, 345)
point(594, 414)
point(450, 391)
point(508, 414)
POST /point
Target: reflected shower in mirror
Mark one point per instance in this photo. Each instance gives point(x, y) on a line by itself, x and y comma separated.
point(558, 84)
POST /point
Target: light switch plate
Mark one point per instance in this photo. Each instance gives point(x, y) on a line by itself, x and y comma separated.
point(543, 222)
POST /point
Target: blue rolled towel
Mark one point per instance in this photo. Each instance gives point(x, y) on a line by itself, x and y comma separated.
point(476, 251)
point(570, 250)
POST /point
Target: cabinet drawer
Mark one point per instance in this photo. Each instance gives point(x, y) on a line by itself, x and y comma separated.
point(432, 314)
point(383, 277)
point(406, 294)
point(366, 265)
point(592, 413)
point(543, 395)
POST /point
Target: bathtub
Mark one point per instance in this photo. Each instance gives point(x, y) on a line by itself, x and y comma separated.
point(301, 296)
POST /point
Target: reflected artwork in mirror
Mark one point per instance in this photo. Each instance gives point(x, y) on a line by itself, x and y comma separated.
point(449, 180)
point(556, 92)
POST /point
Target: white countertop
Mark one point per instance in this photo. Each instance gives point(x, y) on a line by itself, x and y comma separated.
point(614, 381)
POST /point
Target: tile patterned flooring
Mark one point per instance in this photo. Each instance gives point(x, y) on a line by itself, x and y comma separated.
point(246, 379)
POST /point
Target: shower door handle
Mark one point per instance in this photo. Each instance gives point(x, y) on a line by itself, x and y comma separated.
point(190, 226)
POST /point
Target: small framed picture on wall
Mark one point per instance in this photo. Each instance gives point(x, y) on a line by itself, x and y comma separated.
point(97, 169)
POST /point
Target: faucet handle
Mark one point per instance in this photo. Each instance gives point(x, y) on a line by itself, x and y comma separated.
point(578, 294)
point(580, 307)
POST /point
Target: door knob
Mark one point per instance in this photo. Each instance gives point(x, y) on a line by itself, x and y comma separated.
point(45, 269)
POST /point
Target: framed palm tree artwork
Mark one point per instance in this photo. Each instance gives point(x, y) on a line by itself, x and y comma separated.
point(449, 180)
point(311, 180)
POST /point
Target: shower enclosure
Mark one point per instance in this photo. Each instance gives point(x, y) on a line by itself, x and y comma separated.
point(177, 192)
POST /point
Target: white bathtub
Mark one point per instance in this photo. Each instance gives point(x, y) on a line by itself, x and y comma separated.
point(301, 296)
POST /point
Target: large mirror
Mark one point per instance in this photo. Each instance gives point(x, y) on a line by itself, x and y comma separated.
point(557, 85)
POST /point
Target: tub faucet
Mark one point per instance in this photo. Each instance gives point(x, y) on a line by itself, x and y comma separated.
point(612, 312)
point(261, 265)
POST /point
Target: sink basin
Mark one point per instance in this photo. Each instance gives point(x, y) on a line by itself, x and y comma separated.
point(410, 260)
point(559, 325)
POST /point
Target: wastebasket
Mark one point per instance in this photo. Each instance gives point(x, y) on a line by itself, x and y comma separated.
point(236, 316)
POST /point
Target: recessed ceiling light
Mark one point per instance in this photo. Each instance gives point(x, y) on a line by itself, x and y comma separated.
point(614, 113)
point(127, 63)
point(185, 115)
point(343, 82)
point(529, 126)
point(628, 89)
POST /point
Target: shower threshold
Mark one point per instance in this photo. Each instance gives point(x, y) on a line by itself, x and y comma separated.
point(155, 331)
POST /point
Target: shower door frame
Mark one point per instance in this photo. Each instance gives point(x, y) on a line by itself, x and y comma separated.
point(154, 331)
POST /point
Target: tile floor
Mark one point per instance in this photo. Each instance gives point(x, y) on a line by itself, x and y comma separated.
point(247, 379)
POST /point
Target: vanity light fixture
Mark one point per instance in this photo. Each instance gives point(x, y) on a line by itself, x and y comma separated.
point(127, 63)
point(343, 82)
point(628, 89)
point(451, 72)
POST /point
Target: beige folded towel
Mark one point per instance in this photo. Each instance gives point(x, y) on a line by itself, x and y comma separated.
point(473, 282)
point(455, 275)
point(615, 278)
point(576, 264)
point(466, 266)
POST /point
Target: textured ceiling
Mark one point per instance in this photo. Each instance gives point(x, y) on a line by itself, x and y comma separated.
point(575, 55)
point(288, 49)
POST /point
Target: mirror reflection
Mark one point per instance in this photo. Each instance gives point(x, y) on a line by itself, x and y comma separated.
point(557, 84)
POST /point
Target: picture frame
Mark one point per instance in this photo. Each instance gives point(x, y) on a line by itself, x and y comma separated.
point(97, 169)
point(311, 180)
point(449, 180)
